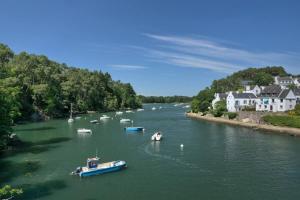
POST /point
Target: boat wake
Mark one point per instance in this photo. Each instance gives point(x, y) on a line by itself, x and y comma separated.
point(147, 150)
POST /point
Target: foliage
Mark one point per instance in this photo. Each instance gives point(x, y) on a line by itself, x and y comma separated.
point(231, 115)
point(195, 105)
point(262, 78)
point(297, 109)
point(220, 108)
point(165, 99)
point(283, 120)
point(35, 84)
point(7, 192)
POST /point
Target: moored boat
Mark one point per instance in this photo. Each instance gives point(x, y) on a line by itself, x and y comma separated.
point(140, 109)
point(71, 120)
point(129, 111)
point(125, 120)
point(94, 121)
point(153, 108)
point(156, 137)
point(104, 117)
point(134, 128)
point(84, 130)
point(119, 113)
point(93, 167)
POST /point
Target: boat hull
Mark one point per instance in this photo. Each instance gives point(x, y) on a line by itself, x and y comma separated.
point(102, 171)
point(134, 128)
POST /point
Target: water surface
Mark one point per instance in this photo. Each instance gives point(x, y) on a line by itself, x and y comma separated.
point(217, 161)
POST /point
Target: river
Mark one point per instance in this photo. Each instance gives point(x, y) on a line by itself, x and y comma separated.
point(217, 161)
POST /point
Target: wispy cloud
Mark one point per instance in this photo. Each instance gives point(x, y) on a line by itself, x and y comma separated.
point(128, 67)
point(202, 52)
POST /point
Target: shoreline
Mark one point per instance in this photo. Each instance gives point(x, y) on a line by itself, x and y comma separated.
point(271, 128)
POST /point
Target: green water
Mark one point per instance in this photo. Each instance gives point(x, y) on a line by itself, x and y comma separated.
point(217, 161)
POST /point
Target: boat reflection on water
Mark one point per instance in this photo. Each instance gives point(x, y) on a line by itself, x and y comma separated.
point(155, 146)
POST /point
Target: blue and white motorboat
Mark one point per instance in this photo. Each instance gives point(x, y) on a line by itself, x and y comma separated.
point(93, 167)
point(94, 121)
point(134, 128)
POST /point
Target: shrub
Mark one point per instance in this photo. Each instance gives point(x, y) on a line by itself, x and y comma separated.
point(232, 115)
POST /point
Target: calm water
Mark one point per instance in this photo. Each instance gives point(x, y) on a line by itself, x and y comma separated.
point(217, 161)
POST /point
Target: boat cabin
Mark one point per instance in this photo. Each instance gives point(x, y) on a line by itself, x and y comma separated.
point(92, 162)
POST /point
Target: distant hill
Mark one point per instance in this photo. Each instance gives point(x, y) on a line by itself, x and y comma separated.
point(254, 76)
point(165, 99)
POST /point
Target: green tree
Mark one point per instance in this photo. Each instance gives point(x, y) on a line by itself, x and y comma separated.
point(7, 192)
point(220, 108)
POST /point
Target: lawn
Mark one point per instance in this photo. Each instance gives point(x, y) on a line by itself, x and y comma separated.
point(290, 121)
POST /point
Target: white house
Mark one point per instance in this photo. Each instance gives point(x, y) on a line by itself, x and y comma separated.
point(237, 101)
point(284, 82)
point(218, 97)
point(256, 90)
point(275, 99)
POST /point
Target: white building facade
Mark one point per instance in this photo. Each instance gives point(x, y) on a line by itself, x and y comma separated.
point(275, 99)
point(237, 101)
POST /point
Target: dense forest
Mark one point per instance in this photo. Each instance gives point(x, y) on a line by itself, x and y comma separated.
point(165, 99)
point(234, 82)
point(33, 86)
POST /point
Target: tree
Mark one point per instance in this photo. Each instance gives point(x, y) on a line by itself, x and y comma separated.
point(195, 105)
point(220, 108)
point(7, 192)
point(263, 78)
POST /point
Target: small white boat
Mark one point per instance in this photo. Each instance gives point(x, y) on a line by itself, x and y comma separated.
point(187, 106)
point(160, 108)
point(119, 113)
point(78, 117)
point(70, 120)
point(94, 121)
point(125, 120)
point(140, 109)
point(153, 108)
point(104, 117)
point(129, 111)
point(156, 137)
point(83, 130)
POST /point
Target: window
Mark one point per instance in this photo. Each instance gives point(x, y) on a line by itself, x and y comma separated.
point(281, 100)
point(273, 100)
point(290, 106)
point(281, 107)
point(290, 100)
point(245, 101)
point(259, 106)
point(265, 106)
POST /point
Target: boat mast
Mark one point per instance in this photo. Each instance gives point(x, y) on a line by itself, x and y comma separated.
point(71, 114)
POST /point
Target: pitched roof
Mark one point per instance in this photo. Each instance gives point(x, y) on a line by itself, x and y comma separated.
point(244, 95)
point(284, 93)
point(296, 91)
point(223, 95)
point(272, 90)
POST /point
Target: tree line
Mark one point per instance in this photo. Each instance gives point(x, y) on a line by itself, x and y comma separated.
point(33, 86)
point(165, 99)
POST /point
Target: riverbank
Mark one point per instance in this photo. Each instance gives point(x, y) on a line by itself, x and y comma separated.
point(264, 127)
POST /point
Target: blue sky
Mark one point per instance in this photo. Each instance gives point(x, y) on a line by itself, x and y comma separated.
point(161, 47)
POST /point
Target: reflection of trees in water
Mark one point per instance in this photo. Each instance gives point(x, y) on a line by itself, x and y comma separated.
point(11, 170)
